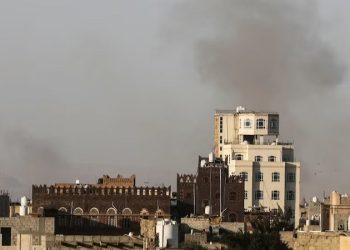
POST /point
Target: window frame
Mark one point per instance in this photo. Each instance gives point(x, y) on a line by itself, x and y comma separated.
point(290, 195)
point(259, 176)
point(244, 175)
point(260, 196)
point(275, 177)
point(258, 158)
point(291, 179)
point(260, 123)
point(275, 195)
point(271, 158)
point(247, 123)
point(239, 156)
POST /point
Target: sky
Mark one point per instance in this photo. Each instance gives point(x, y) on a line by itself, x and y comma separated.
point(130, 87)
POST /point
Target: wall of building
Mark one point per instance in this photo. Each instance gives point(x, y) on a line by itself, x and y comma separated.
point(316, 241)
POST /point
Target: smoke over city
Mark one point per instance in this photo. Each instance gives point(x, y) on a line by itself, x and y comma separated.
point(272, 55)
point(131, 87)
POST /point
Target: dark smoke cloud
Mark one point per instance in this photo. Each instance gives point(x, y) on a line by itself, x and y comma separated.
point(271, 55)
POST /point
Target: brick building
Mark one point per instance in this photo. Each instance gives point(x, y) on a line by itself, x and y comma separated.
point(110, 208)
point(211, 186)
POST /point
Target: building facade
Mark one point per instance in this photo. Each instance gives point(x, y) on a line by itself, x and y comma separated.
point(4, 204)
point(248, 141)
point(77, 206)
point(212, 188)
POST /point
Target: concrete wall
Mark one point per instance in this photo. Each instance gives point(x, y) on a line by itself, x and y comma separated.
point(316, 241)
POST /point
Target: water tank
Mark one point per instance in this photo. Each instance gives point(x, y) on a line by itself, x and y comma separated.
point(168, 233)
point(211, 157)
point(23, 209)
point(207, 210)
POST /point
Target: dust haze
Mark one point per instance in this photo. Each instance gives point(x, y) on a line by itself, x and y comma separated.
point(121, 87)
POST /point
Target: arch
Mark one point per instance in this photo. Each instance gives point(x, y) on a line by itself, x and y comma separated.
point(258, 158)
point(94, 211)
point(111, 211)
point(144, 211)
point(271, 158)
point(112, 217)
point(127, 211)
point(78, 211)
point(238, 157)
point(62, 210)
point(247, 123)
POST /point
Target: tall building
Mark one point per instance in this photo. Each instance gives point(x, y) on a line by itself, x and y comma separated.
point(212, 188)
point(248, 141)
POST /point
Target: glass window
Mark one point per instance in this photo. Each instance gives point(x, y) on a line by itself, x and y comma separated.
point(245, 194)
point(273, 123)
point(247, 123)
point(275, 195)
point(258, 158)
point(259, 176)
point(275, 177)
point(244, 175)
point(259, 195)
point(260, 123)
point(290, 177)
point(232, 196)
point(272, 158)
point(239, 157)
point(290, 195)
point(220, 139)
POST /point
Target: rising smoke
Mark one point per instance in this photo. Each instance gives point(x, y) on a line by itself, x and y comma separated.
point(271, 55)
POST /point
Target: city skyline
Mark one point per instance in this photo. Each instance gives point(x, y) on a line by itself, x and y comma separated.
point(101, 90)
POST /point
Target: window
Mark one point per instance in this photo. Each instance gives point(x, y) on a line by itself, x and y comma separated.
point(245, 194)
point(291, 177)
point(232, 196)
point(258, 158)
point(220, 139)
point(239, 157)
point(259, 195)
point(271, 158)
point(244, 176)
point(247, 123)
point(274, 124)
point(275, 195)
point(290, 195)
point(220, 148)
point(260, 123)
point(275, 177)
point(259, 176)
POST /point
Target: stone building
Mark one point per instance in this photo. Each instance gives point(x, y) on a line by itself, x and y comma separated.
point(211, 187)
point(249, 141)
point(109, 208)
point(339, 212)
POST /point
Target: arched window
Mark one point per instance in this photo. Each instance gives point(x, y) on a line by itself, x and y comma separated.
point(160, 213)
point(259, 176)
point(94, 211)
point(275, 177)
point(272, 158)
point(290, 195)
point(244, 175)
point(93, 216)
point(275, 195)
point(260, 123)
point(127, 211)
point(112, 217)
point(247, 123)
point(258, 158)
point(239, 157)
point(78, 211)
point(62, 210)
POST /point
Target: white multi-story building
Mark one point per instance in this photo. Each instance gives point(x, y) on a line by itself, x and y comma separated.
point(248, 140)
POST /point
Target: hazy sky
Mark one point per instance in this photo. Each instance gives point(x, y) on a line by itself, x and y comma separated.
point(90, 88)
